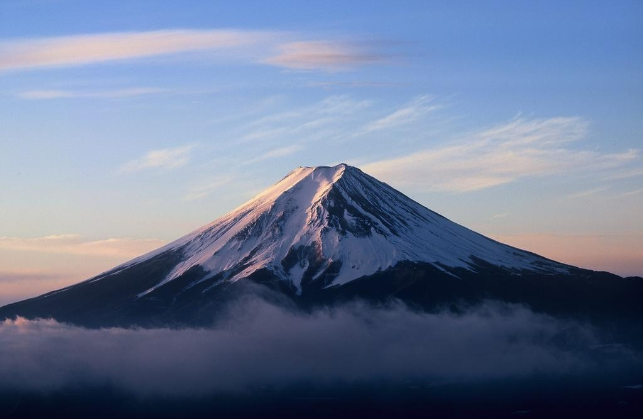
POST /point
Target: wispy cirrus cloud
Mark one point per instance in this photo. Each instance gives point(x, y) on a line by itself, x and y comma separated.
point(632, 193)
point(74, 244)
point(24, 275)
point(276, 153)
point(417, 108)
point(205, 189)
point(518, 149)
point(626, 174)
point(262, 47)
point(588, 192)
point(344, 84)
point(543, 132)
point(64, 94)
point(167, 158)
point(323, 120)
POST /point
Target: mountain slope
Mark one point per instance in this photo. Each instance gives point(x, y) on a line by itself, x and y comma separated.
point(335, 224)
point(310, 237)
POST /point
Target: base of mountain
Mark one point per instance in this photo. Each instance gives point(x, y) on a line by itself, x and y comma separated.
point(191, 301)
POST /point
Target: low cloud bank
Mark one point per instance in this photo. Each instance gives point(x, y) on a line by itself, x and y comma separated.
point(262, 345)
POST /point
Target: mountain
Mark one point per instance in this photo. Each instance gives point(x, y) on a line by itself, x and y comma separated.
point(324, 235)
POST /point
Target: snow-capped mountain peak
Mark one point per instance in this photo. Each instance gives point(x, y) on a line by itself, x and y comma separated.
point(328, 226)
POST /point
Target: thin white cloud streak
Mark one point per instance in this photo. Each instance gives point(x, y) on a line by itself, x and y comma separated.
point(626, 174)
point(589, 192)
point(71, 94)
point(276, 153)
point(342, 84)
point(544, 132)
point(262, 47)
point(324, 120)
point(75, 245)
point(518, 149)
point(201, 191)
point(19, 276)
point(411, 112)
point(332, 105)
point(205, 189)
point(323, 55)
point(167, 158)
point(631, 193)
point(501, 215)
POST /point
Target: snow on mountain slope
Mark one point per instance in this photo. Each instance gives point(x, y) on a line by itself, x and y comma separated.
point(334, 224)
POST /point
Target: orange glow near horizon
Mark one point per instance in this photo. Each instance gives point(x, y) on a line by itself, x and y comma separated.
point(622, 255)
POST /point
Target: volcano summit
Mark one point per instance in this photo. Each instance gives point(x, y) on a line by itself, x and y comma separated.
point(322, 235)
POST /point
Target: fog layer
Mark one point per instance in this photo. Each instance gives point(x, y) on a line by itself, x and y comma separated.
point(260, 345)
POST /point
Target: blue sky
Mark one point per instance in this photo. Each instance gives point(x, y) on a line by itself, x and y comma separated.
point(127, 124)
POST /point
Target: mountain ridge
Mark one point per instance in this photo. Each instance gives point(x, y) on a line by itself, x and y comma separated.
point(320, 235)
point(316, 219)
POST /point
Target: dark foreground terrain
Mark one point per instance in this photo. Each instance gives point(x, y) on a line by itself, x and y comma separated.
point(592, 397)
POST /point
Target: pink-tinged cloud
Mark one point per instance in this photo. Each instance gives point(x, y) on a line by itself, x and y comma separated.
point(87, 49)
point(268, 47)
point(323, 55)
